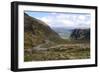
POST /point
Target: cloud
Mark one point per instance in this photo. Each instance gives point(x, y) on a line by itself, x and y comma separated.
point(67, 20)
point(81, 17)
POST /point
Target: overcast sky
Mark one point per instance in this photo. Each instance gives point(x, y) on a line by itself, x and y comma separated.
point(68, 20)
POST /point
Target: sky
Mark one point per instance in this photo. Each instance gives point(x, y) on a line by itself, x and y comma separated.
point(60, 19)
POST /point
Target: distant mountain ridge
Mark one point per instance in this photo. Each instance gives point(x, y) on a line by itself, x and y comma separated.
point(63, 32)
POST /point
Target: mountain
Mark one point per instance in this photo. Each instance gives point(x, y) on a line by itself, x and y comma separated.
point(80, 34)
point(63, 32)
point(37, 32)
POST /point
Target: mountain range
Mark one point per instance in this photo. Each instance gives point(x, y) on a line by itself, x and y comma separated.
point(37, 32)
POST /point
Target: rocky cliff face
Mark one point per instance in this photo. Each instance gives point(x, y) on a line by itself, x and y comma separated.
point(80, 34)
point(37, 32)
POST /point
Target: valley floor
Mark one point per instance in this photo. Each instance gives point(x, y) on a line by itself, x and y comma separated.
point(58, 52)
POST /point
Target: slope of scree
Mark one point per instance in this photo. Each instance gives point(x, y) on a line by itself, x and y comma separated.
point(80, 34)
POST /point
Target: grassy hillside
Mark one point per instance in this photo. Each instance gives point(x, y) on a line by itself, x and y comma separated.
point(36, 32)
